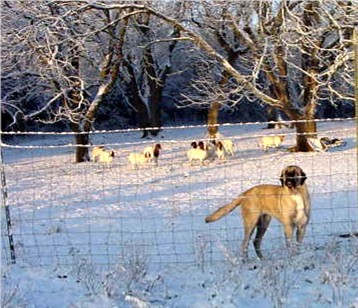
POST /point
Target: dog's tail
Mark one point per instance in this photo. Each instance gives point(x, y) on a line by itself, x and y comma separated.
point(224, 210)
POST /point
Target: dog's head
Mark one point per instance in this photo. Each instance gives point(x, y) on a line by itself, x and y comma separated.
point(201, 145)
point(282, 137)
point(292, 177)
point(111, 153)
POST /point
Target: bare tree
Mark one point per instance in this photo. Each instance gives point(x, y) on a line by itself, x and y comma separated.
point(149, 66)
point(77, 53)
point(69, 60)
point(290, 55)
point(69, 56)
point(210, 19)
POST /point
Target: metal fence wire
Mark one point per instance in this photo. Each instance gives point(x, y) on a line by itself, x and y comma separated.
point(56, 211)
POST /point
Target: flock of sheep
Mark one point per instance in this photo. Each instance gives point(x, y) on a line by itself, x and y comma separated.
point(198, 153)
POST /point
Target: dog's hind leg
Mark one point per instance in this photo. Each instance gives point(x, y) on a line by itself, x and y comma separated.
point(300, 233)
point(250, 223)
point(262, 226)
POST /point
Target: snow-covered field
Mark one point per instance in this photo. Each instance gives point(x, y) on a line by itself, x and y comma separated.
point(91, 235)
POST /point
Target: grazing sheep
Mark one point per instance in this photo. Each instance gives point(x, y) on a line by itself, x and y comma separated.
point(271, 142)
point(101, 155)
point(152, 152)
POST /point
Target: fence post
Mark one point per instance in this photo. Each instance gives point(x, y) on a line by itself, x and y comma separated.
point(355, 44)
point(6, 209)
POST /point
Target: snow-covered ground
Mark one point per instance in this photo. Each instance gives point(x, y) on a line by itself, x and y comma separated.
point(91, 235)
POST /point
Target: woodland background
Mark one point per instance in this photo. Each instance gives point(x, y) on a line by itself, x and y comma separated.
point(85, 65)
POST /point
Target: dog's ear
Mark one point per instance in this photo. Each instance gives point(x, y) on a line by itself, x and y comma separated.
point(303, 177)
point(282, 178)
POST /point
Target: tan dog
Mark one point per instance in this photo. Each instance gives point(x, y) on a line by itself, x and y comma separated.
point(271, 142)
point(289, 203)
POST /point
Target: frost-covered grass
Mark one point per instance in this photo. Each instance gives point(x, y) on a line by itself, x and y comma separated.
point(90, 235)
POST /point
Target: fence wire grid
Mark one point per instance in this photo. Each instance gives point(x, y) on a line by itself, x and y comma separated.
point(56, 211)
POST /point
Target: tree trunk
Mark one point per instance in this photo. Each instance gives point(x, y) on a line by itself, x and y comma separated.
point(81, 137)
point(82, 141)
point(304, 130)
point(73, 100)
point(274, 116)
point(141, 111)
point(156, 78)
point(232, 55)
point(213, 115)
point(156, 110)
point(310, 64)
point(156, 86)
point(142, 116)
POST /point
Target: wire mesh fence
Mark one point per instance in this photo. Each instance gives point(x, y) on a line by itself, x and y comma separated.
point(60, 212)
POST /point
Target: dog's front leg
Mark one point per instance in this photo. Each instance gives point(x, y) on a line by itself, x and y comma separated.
point(300, 234)
point(289, 228)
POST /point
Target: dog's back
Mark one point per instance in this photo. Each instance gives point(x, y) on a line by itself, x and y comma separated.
point(250, 200)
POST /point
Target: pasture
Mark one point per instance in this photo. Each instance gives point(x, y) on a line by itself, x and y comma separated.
point(92, 234)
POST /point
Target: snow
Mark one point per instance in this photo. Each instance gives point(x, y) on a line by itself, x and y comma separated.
point(92, 235)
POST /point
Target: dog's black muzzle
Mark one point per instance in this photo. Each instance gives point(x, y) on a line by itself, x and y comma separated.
point(292, 180)
point(292, 177)
point(289, 184)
